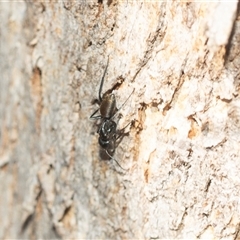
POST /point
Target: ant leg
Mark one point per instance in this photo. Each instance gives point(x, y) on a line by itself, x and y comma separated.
point(124, 103)
point(120, 135)
point(99, 93)
point(115, 160)
point(125, 126)
point(102, 80)
point(96, 117)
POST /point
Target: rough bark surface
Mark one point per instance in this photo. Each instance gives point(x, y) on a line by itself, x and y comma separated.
point(182, 152)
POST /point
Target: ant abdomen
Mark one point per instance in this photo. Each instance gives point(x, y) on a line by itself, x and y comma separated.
point(108, 105)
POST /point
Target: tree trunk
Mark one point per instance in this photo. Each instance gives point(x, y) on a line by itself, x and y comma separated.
point(180, 154)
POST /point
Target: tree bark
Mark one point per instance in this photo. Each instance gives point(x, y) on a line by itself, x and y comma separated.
point(181, 151)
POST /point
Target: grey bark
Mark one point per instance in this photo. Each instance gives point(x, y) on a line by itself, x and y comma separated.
point(182, 152)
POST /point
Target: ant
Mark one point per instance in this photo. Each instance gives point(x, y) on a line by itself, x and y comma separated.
point(108, 134)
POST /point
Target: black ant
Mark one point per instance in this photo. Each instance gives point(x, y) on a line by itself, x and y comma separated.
point(109, 136)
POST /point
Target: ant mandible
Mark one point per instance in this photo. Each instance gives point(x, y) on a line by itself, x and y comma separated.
point(108, 133)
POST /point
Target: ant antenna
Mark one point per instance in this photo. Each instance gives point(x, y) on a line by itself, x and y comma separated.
point(115, 160)
point(102, 80)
